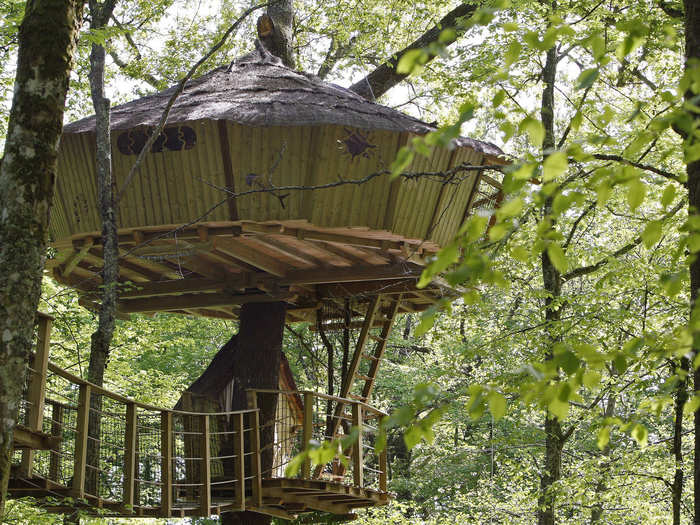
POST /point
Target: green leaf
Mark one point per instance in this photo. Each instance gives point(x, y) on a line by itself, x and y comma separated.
point(640, 434)
point(447, 36)
point(576, 121)
point(692, 405)
point(498, 98)
point(559, 408)
point(411, 61)
point(510, 208)
point(668, 195)
point(497, 404)
point(427, 320)
point(403, 159)
point(512, 52)
point(557, 257)
point(652, 234)
point(636, 192)
point(534, 129)
point(587, 78)
point(591, 379)
point(554, 165)
point(603, 437)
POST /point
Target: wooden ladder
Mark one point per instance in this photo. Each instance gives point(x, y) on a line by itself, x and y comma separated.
point(374, 318)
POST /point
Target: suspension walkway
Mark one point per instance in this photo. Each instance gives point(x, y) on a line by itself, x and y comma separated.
point(82, 447)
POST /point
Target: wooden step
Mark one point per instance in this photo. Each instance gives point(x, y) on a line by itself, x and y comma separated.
point(370, 356)
point(377, 338)
point(357, 398)
point(364, 377)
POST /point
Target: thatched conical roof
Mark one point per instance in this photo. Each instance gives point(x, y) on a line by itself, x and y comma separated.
point(258, 90)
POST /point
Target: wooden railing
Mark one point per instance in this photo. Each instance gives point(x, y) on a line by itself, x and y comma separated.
point(142, 460)
point(136, 459)
point(303, 416)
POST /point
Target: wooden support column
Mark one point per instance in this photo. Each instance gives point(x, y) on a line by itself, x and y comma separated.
point(81, 438)
point(37, 386)
point(129, 457)
point(166, 444)
point(205, 479)
point(308, 432)
point(239, 460)
point(357, 447)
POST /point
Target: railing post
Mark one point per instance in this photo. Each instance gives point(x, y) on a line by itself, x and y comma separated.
point(308, 432)
point(256, 469)
point(382, 470)
point(357, 446)
point(239, 460)
point(37, 386)
point(205, 494)
point(129, 457)
point(81, 438)
point(166, 443)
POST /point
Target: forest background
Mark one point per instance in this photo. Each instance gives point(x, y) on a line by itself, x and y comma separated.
point(557, 389)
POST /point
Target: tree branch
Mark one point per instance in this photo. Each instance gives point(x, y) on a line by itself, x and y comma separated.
point(385, 76)
point(585, 270)
point(645, 167)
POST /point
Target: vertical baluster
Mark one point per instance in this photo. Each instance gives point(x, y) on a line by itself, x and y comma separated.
point(57, 432)
point(382, 470)
point(308, 432)
point(81, 438)
point(357, 447)
point(255, 458)
point(166, 443)
point(37, 387)
point(239, 463)
point(205, 494)
point(129, 457)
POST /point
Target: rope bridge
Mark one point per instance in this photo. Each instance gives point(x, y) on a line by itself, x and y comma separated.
point(80, 446)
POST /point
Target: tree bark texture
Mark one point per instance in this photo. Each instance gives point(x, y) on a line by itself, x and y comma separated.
point(385, 77)
point(282, 14)
point(102, 337)
point(254, 360)
point(554, 438)
point(47, 41)
point(677, 449)
point(692, 55)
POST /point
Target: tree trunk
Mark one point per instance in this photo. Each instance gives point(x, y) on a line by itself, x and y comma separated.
point(692, 55)
point(256, 358)
point(280, 44)
point(47, 40)
point(102, 337)
point(681, 398)
point(554, 439)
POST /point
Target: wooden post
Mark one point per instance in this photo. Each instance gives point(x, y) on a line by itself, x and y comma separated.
point(357, 447)
point(81, 438)
point(382, 470)
point(308, 432)
point(255, 458)
point(205, 494)
point(252, 397)
point(239, 460)
point(129, 457)
point(37, 387)
point(166, 468)
point(56, 431)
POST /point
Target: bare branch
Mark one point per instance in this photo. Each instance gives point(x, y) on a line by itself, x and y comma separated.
point(645, 167)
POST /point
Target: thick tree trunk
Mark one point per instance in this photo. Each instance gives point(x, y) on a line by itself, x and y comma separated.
point(102, 337)
point(256, 357)
point(280, 43)
point(554, 439)
point(692, 54)
point(47, 40)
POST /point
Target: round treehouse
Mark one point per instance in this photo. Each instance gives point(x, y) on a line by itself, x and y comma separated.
point(266, 198)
